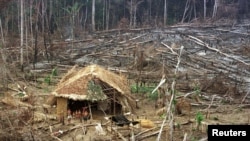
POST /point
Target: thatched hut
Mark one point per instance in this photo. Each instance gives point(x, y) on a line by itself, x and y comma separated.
point(93, 87)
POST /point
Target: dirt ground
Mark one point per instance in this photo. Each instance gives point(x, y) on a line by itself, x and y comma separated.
point(184, 125)
point(223, 114)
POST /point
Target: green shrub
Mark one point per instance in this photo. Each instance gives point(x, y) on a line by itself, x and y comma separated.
point(145, 90)
point(199, 118)
point(54, 72)
point(48, 78)
point(153, 96)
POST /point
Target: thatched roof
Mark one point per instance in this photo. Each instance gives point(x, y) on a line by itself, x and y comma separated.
point(75, 84)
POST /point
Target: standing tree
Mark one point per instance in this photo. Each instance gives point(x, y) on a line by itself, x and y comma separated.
point(242, 9)
point(150, 10)
point(131, 12)
point(133, 4)
point(205, 9)
point(73, 11)
point(93, 15)
point(36, 35)
point(3, 69)
point(189, 9)
point(21, 34)
point(86, 15)
point(216, 4)
point(107, 14)
point(165, 12)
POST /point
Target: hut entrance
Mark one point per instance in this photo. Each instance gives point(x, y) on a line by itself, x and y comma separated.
point(116, 108)
point(98, 109)
point(75, 105)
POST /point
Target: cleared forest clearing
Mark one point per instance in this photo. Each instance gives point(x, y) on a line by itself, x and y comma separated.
point(208, 65)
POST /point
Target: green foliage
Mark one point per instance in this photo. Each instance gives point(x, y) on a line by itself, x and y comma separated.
point(95, 92)
point(20, 94)
point(194, 139)
point(145, 90)
point(215, 118)
point(174, 101)
point(162, 116)
point(141, 89)
point(197, 89)
point(199, 117)
point(54, 72)
point(133, 89)
point(49, 77)
point(178, 125)
point(47, 80)
point(153, 96)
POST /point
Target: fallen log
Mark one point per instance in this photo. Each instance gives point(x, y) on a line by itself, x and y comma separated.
point(15, 102)
point(42, 117)
point(69, 42)
point(244, 106)
point(200, 42)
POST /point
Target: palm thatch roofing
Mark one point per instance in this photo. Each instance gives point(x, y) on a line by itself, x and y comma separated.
point(77, 84)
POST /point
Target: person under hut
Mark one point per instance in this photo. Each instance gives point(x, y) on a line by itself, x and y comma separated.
point(85, 114)
point(69, 116)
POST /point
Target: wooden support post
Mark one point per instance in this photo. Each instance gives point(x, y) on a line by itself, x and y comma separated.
point(136, 103)
point(90, 112)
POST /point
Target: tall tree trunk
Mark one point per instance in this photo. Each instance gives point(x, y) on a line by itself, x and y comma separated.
point(26, 38)
point(107, 14)
point(35, 47)
point(51, 20)
point(205, 9)
point(134, 11)
point(216, 2)
point(194, 5)
point(185, 11)
point(3, 57)
point(93, 15)
point(6, 23)
point(131, 14)
point(22, 28)
point(43, 16)
point(3, 60)
point(36, 35)
point(165, 13)
point(86, 16)
point(150, 11)
point(31, 30)
point(104, 13)
point(134, 21)
point(50, 9)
